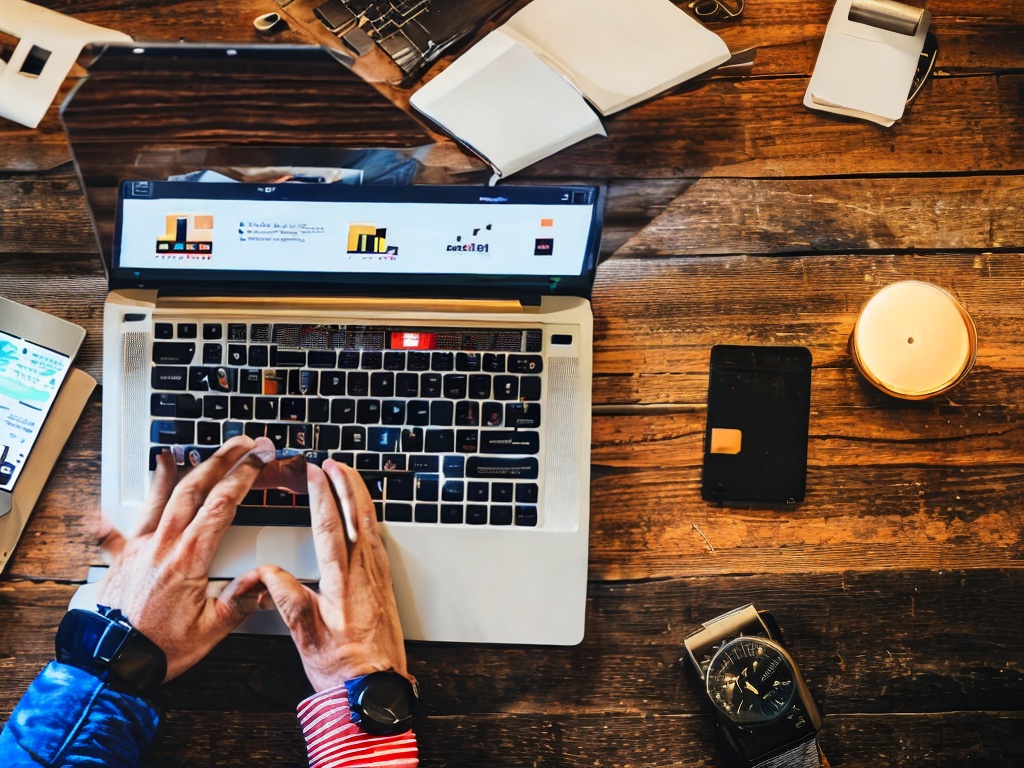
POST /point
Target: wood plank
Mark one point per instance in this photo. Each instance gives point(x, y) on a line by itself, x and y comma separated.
point(793, 216)
point(885, 653)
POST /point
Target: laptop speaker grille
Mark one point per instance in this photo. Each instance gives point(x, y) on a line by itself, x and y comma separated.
point(134, 401)
point(561, 462)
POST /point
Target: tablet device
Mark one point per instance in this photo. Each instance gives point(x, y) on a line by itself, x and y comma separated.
point(36, 352)
point(755, 442)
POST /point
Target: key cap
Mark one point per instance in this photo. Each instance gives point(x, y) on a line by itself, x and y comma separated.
point(171, 378)
point(173, 352)
point(506, 441)
point(526, 516)
point(501, 514)
point(501, 467)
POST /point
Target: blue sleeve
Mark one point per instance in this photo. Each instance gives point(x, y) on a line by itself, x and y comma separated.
point(69, 717)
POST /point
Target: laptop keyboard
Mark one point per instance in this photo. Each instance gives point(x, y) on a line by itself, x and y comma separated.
point(443, 424)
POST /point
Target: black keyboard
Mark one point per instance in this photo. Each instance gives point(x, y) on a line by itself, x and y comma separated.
point(443, 424)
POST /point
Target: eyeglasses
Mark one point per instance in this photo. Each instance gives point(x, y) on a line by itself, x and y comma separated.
point(715, 10)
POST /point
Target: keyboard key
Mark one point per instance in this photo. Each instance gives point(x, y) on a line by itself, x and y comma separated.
point(216, 407)
point(266, 408)
point(430, 385)
point(412, 440)
point(322, 358)
point(522, 415)
point(353, 438)
point(500, 467)
point(467, 414)
point(529, 388)
point(213, 354)
point(343, 411)
point(526, 516)
point(368, 411)
point(394, 462)
point(418, 413)
point(451, 514)
point(476, 491)
point(348, 359)
point(506, 387)
point(237, 354)
point(525, 364)
point(454, 386)
point(494, 363)
point(288, 358)
point(237, 332)
point(163, 404)
point(492, 414)
point(172, 378)
point(293, 409)
point(397, 512)
point(208, 433)
point(426, 513)
point(241, 408)
point(278, 433)
point(371, 361)
point(442, 413)
point(382, 384)
point(502, 492)
point(187, 330)
point(394, 361)
point(453, 490)
point(479, 386)
point(368, 461)
point(439, 441)
point(526, 493)
point(426, 463)
point(259, 355)
point(407, 385)
point(467, 440)
point(326, 437)
point(506, 441)
point(332, 383)
point(418, 361)
point(476, 514)
point(163, 330)
point(250, 381)
point(427, 486)
point(383, 439)
point(318, 410)
point(300, 436)
point(173, 352)
point(358, 384)
point(468, 361)
point(501, 514)
point(399, 487)
point(392, 412)
point(213, 331)
point(442, 361)
point(170, 432)
point(454, 466)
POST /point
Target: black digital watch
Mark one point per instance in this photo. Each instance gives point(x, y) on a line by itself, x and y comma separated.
point(382, 703)
point(107, 645)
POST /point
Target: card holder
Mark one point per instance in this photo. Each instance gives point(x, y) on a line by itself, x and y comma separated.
point(755, 442)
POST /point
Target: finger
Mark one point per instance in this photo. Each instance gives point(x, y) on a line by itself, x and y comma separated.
point(295, 603)
point(328, 533)
point(356, 505)
point(190, 494)
point(239, 598)
point(288, 473)
point(203, 535)
point(161, 486)
point(112, 544)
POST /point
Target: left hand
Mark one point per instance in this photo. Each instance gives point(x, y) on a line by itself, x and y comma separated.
point(158, 576)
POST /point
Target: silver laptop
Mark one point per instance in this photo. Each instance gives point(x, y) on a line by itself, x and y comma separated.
point(436, 338)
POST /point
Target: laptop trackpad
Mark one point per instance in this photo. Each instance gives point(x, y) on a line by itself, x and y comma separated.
point(288, 548)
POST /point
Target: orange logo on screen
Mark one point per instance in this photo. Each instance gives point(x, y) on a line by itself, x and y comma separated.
point(187, 234)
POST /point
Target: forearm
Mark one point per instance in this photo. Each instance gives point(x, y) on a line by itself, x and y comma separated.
point(70, 717)
point(333, 741)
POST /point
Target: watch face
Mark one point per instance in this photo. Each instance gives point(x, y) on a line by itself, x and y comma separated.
point(751, 680)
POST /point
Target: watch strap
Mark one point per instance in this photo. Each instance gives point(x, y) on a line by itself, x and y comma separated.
point(805, 754)
point(702, 645)
point(107, 645)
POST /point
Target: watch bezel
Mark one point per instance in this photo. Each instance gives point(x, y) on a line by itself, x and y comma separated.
point(366, 718)
point(777, 648)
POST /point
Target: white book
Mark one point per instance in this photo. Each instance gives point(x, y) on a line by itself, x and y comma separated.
point(525, 91)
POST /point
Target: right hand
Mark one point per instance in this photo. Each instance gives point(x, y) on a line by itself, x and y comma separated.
point(351, 627)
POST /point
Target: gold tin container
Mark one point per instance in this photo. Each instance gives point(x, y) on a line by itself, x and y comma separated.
point(914, 340)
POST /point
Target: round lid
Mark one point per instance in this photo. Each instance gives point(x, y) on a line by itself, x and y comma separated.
point(913, 339)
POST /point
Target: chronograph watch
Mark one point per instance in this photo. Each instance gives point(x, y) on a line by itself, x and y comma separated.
point(766, 714)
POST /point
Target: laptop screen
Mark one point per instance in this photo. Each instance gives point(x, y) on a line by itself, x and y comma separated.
point(341, 238)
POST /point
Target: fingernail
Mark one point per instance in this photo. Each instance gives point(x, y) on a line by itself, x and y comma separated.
point(264, 450)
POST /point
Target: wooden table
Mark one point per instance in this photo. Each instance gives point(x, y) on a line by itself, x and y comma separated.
point(735, 215)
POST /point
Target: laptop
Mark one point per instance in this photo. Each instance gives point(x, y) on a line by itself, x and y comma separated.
point(436, 337)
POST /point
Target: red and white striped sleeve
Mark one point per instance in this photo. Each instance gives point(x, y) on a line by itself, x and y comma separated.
point(334, 741)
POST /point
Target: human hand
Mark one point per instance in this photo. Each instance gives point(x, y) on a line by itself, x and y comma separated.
point(351, 627)
point(158, 576)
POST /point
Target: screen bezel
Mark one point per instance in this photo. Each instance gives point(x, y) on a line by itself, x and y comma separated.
point(378, 284)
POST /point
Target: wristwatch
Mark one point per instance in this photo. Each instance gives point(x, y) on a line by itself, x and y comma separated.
point(766, 715)
point(104, 643)
point(382, 703)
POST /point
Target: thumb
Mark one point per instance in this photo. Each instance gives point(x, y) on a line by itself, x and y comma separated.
point(239, 599)
point(295, 602)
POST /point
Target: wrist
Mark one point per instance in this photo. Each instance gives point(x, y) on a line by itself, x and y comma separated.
point(105, 644)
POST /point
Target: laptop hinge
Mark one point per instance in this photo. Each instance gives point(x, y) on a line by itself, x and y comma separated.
point(305, 303)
